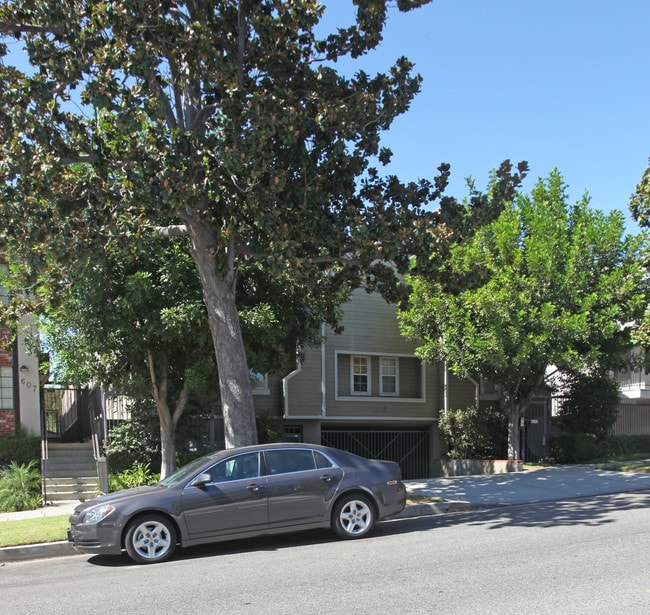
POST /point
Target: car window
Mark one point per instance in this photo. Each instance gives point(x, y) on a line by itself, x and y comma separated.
point(239, 467)
point(290, 460)
point(185, 471)
point(322, 461)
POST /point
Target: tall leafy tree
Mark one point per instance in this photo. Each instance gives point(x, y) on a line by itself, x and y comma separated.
point(547, 284)
point(229, 120)
point(136, 325)
point(640, 208)
point(139, 325)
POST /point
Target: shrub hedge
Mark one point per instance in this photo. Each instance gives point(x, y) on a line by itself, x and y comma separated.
point(21, 449)
point(584, 448)
point(474, 433)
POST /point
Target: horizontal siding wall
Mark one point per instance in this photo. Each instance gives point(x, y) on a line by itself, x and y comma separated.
point(305, 396)
point(370, 329)
point(410, 376)
point(269, 402)
point(462, 393)
point(369, 325)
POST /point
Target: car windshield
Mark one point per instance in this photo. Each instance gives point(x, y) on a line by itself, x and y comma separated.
point(186, 471)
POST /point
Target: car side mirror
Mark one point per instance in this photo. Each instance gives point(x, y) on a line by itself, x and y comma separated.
point(202, 480)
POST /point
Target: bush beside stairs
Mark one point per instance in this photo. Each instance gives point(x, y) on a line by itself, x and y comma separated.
point(70, 472)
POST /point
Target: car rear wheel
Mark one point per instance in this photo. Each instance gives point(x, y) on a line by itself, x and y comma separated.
point(354, 516)
point(150, 539)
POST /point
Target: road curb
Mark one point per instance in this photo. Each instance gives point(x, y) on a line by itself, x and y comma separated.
point(64, 548)
point(38, 551)
point(435, 508)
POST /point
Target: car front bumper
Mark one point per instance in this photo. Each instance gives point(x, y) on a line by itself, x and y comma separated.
point(95, 538)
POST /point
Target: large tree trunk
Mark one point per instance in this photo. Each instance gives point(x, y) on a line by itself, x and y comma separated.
point(533, 375)
point(167, 444)
point(514, 437)
point(166, 418)
point(168, 422)
point(234, 377)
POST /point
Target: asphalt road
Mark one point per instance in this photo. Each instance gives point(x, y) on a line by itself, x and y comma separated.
point(588, 555)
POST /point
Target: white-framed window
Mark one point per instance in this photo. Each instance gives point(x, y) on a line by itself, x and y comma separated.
point(6, 388)
point(389, 376)
point(360, 375)
point(374, 376)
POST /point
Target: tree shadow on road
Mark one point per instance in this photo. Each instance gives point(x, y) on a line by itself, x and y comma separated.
point(249, 545)
point(592, 511)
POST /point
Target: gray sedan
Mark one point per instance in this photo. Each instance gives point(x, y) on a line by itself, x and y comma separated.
point(241, 493)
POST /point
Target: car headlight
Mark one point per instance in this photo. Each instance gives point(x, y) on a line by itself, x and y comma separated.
point(97, 513)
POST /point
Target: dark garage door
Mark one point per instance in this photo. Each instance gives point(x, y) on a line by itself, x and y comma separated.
point(409, 448)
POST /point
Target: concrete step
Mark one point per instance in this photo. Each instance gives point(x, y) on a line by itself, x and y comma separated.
point(70, 446)
point(64, 496)
point(70, 472)
point(71, 489)
point(69, 483)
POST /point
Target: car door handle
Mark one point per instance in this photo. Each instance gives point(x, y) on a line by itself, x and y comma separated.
point(254, 487)
point(326, 478)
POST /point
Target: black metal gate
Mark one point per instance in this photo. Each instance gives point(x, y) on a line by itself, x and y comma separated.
point(64, 411)
point(409, 448)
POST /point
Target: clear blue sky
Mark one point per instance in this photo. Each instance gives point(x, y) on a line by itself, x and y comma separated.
point(559, 83)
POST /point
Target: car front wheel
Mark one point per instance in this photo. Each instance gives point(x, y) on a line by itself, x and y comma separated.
point(150, 539)
point(354, 516)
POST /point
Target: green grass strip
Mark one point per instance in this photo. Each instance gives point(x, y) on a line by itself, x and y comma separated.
point(33, 531)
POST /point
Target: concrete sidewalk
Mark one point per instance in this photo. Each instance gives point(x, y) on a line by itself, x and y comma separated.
point(459, 493)
point(537, 485)
point(51, 510)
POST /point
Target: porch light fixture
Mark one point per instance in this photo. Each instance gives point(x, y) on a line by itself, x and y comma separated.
point(24, 369)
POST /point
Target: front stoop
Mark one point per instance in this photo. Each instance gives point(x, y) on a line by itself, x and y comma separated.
point(70, 472)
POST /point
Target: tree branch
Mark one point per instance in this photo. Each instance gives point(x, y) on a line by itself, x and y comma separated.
point(202, 117)
point(178, 100)
point(181, 230)
point(87, 158)
point(181, 403)
point(164, 100)
point(173, 230)
point(13, 27)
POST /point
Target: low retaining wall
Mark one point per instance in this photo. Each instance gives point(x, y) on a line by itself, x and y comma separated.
point(470, 467)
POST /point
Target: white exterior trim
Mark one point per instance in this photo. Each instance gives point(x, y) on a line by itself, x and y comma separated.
point(357, 397)
point(368, 374)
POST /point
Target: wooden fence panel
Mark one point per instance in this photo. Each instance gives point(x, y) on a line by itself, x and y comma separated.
point(633, 419)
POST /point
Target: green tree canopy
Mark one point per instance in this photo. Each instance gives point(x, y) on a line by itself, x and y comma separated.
point(547, 284)
point(139, 325)
point(229, 120)
point(640, 208)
